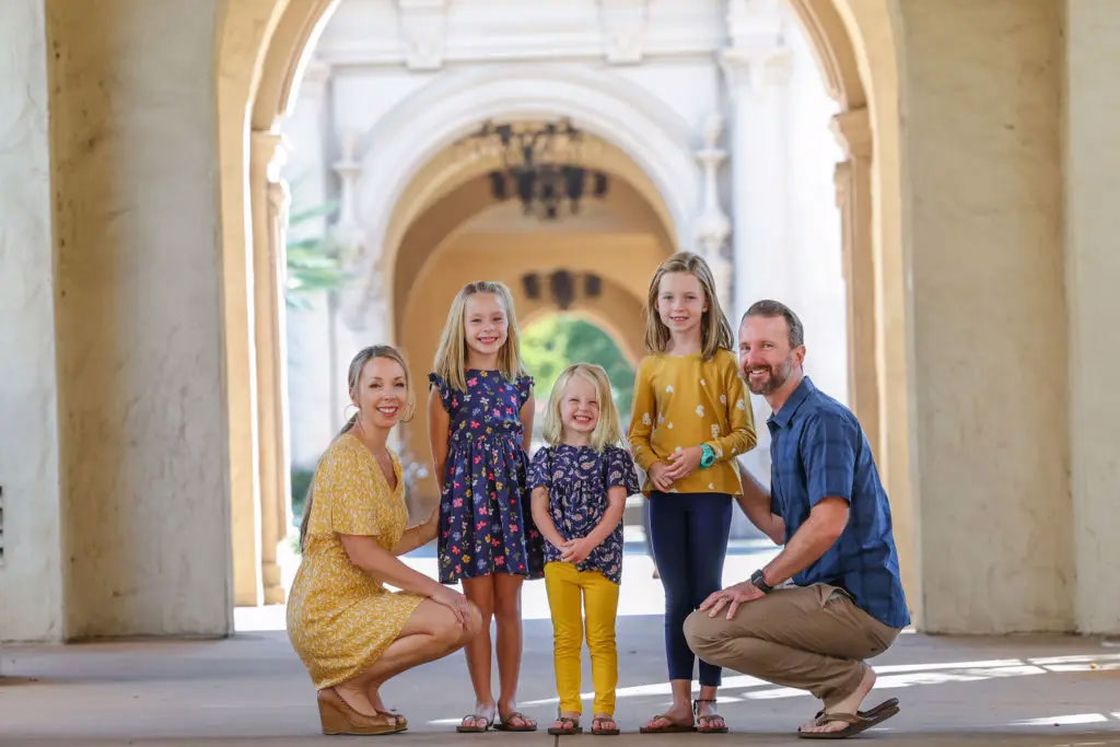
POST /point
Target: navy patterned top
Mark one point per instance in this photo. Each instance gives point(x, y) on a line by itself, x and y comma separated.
point(485, 517)
point(577, 478)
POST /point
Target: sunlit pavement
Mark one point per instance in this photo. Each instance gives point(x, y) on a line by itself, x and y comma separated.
point(1013, 690)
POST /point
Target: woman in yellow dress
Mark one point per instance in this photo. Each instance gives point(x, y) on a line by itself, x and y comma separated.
point(351, 632)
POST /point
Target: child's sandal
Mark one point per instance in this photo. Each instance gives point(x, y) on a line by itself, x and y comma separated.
point(599, 730)
point(568, 726)
point(703, 723)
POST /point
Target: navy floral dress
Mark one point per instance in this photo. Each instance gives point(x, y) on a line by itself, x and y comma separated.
point(485, 519)
point(577, 478)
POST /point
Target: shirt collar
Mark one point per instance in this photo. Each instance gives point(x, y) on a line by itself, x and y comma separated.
point(783, 416)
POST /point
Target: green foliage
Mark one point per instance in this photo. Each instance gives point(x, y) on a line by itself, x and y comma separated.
point(301, 481)
point(313, 263)
point(552, 344)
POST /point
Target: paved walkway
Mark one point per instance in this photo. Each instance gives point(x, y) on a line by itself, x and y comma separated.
point(251, 689)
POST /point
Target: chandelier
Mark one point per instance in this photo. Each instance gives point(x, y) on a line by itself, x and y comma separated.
point(541, 166)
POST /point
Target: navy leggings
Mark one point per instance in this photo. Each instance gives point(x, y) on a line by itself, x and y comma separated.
point(689, 532)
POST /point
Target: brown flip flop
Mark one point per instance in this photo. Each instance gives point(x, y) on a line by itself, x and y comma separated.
point(672, 728)
point(568, 727)
point(504, 725)
point(599, 731)
point(478, 728)
point(871, 712)
point(855, 723)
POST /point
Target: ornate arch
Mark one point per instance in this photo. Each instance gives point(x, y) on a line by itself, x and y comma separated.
point(441, 113)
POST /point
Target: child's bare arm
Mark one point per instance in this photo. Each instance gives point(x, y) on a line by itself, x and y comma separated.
point(543, 519)
point(438, 424)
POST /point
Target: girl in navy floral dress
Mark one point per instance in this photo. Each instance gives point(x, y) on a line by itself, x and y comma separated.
point(580, 483)
point(480, 414)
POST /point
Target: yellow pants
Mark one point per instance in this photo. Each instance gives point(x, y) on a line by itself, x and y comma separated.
point(567, 587)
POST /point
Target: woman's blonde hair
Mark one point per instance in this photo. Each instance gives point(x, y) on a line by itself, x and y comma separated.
point(608, 431)
point(715, 332)
point(353, 375)
point(451, 356)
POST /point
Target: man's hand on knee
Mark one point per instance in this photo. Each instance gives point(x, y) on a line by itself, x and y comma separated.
point(731, 597)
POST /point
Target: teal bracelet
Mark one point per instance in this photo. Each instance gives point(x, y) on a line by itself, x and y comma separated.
point(707, 456)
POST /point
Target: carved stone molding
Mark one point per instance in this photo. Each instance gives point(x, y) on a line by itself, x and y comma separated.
point(424, 28)
point(624, 29)
point(756, 69)
point(853, 132)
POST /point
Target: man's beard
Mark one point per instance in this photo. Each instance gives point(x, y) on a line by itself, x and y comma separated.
point(775, 379)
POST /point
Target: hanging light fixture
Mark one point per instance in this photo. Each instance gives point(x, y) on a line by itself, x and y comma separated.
point(540, 167)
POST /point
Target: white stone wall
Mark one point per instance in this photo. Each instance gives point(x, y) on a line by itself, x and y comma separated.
point(30, 577)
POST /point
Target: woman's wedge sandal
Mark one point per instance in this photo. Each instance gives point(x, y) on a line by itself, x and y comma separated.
point(599, 729)
point(703, 723)
point(568, 727)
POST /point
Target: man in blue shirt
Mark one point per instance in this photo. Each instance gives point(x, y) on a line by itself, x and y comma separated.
point(828, 507)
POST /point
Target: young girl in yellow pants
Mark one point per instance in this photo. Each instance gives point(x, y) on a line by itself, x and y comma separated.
point(580, 482)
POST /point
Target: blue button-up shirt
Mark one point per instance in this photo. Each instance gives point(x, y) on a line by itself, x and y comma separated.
point(818, 450)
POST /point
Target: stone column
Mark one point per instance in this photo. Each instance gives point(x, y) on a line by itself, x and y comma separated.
point(712, 225)
point(267, 154)
point(853, 196)
point(755, 76)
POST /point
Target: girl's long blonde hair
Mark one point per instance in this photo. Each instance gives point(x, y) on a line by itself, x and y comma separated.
point(715, 332)
point(353, 374)
point(608, 431)
point(451, 356)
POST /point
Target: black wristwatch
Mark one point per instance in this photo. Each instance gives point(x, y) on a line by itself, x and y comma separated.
point(758, 578)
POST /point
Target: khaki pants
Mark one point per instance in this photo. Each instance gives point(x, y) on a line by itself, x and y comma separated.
point(813, 638)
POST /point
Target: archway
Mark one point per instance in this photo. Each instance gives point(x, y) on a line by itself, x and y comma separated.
point(260, 46)
point(603, 257)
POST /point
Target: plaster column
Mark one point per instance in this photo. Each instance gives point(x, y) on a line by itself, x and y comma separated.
point(755, 77)
point(982, 148)
point(270, 218)
point(712, 225)
point(30, 528)
point(853, 196)
point(1092, 265)
point(144, 453)
point(755, 74)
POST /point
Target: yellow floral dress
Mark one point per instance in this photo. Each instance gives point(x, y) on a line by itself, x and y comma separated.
point(340, 618)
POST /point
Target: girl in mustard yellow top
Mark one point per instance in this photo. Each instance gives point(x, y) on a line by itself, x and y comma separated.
point(691, 419)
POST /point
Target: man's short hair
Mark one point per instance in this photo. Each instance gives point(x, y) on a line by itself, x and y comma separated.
point(770, 309)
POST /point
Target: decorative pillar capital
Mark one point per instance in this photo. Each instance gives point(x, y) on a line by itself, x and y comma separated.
point(623, 24)
point(424, 28)
point(853, 131)
point(268, 152)
point(757, 68)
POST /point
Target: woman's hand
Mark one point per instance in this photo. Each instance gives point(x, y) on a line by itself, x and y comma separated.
point(659, 476)
point(455, 602)
point(683, 463)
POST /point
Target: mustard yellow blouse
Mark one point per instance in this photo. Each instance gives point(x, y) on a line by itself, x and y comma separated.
point(684, 400)
point(340, 618)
